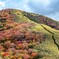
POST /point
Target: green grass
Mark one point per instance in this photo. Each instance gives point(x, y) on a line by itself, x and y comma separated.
point(48, 44)
point(56, 32)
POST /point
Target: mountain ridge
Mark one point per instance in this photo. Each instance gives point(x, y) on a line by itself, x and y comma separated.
point(28, 36)
point(39, 19)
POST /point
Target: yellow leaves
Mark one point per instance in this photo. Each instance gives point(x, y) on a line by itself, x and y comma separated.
point(2, 53)
point(19, 58)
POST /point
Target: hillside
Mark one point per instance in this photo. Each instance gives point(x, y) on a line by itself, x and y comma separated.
point(26, 35)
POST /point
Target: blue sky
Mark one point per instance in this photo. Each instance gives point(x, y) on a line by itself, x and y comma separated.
point(49, 8)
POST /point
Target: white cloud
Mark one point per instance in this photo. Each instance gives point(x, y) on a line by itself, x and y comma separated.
point(40, 6)
point(42, 2)
point(2, 4)
point(24, 5)
point(54, 15)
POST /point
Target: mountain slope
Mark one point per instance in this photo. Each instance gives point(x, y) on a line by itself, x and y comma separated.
point(42, 19)
point(38, 32)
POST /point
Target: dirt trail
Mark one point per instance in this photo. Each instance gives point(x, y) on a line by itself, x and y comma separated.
point(52, 36)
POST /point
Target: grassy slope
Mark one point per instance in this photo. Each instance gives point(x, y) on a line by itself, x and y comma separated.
point(47, 48)
point(56, 32)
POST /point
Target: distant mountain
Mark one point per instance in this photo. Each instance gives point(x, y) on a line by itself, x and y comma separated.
point(25, 35)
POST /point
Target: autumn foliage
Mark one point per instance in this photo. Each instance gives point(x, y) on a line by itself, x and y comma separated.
point(16, 41)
